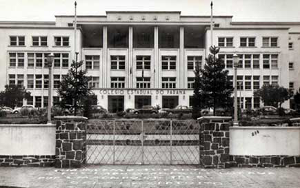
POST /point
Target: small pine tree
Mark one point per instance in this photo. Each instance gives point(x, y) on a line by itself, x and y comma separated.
point(74, 89)
point(196, 103)
point(215, 85)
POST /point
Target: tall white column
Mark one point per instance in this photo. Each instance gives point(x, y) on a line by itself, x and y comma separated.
point(104, 63)
point(130, 59)
point(181, 66)
point(156, 59)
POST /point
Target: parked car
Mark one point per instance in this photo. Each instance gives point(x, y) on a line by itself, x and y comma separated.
point(270, 110)
point(180, 109)
point(290, 111)
point(6, 109)
point(146, 110)
point(28, 107)
point(98, 109)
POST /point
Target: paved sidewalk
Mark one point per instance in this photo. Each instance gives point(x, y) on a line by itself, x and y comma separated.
point(132, 176)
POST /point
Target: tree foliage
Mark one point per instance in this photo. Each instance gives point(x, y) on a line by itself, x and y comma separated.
point(13, 94)
point(297, 100)
point(214, 84)
point(197, 94)
point(74, 89)
point(273, 95)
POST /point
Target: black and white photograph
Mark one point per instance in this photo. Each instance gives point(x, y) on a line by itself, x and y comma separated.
point(149, 93)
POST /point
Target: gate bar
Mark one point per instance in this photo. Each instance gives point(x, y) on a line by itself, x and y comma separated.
point(142, 140)
point(171, 140)
point(114, 141)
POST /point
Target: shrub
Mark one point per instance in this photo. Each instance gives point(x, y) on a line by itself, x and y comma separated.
point(3, 114)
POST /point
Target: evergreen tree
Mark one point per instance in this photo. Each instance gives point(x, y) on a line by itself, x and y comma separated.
point(215, 86)
point(74, 89)
point(12, 95)
point(196, 103)
point(297, 100)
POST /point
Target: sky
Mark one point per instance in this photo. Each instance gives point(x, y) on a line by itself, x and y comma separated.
point(241, 10)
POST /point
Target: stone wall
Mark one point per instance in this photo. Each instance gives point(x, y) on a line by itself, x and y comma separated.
point(264, 161)
point(70, 145)
point(27, 160)
point(214, 141)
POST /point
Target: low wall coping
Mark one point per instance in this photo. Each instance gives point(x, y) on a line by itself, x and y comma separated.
point(27, 125)
point(203, 118)
point(71, 118)
point(263, 127)
point(295, 119)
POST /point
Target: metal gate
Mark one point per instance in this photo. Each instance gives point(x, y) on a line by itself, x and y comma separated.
point(142, 142)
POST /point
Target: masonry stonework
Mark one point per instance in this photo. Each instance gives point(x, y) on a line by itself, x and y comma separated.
point(70, 144)
point(214, 141)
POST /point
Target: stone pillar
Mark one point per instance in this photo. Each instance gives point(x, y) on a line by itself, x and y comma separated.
point(214, 141)
point(70, 148)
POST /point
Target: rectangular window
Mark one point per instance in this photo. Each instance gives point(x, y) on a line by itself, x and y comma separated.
point(241, 60)
point(168, 82)
point(256, 82)
point(16, 59)
point(290, 45)
point(248, 60)
point(240, 101)
point(266, 80)
point(192, 61)
point(117, 62)
point(65, 60)
point(225, 41)
point(30, 81)
point(38, 101)
point(274, 80)
point(11, 79)
point(291, 65)
point(256, 102)
point(39, 60)
point(61, 41)
point(38, 81)
point(266, 61)
point(240, 82)
point(20, 60)
point(247, 41)
point(39, 41)
point(17, 40)
point(30, 59)
point(270, 41)
point(55, 100)
point(117, 82)
point(57, 60)
point(56, 81)
point(248, 82)
point(191, 82)
point(291, 86)
point(248, 102)
point(92, 62)
point(143, 82)
point(274, 61)
point(46, 81)
point(94, 82)
point(168, 62)
point(256, 61)
point(230, 78)
point(45, 98)
point(20, 79)
point(143, 62)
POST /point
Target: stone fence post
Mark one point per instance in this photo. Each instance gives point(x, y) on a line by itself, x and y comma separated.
point(70, 148)
point(214, 141)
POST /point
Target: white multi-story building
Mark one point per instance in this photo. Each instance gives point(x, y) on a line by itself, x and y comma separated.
point(147, 58)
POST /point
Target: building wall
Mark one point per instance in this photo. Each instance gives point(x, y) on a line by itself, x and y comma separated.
point(263, 141)
point(27, 139)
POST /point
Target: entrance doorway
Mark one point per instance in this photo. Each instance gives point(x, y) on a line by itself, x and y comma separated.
point(141, 101)
point(115, 104)
point(169, 101)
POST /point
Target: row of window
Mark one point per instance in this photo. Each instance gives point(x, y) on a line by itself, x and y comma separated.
point(248, 41)
point(38, 60)
point(39, 81)
point(248, 61)
point(39, 41)
point(142, 62)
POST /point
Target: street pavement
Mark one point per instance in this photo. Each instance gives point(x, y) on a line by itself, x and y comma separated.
point(149, 176)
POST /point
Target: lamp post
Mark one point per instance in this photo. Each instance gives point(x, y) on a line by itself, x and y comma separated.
point(50, 58)
point(235, 64)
